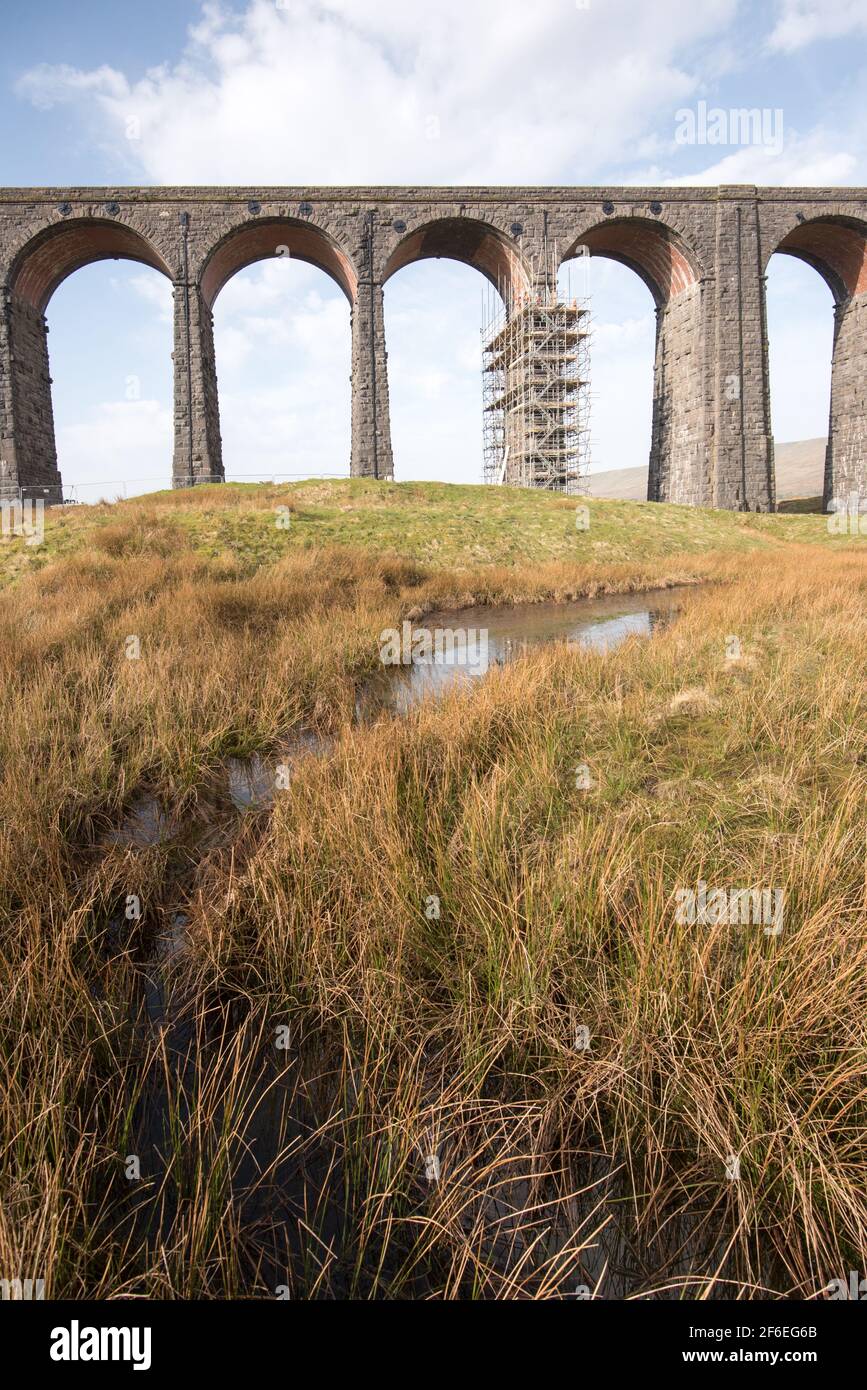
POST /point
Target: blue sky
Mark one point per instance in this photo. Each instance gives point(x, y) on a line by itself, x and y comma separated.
point(357, 91)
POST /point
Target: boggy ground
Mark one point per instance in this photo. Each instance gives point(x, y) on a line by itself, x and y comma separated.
point(429, 1026)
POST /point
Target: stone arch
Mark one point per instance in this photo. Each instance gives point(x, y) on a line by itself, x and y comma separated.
point(679, 462)
point(240, 246)
point(835, 245)
point(42, 262)
point(469, 240)
point(265, 237)
point(653, 249)
point(46, 260)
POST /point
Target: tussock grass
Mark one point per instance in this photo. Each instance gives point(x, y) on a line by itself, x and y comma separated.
point(558, 908)
point(411, 1035)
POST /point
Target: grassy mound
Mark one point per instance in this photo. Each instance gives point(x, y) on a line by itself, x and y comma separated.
point(436, 524)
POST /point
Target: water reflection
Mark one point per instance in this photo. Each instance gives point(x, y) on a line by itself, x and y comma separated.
point(599, 623)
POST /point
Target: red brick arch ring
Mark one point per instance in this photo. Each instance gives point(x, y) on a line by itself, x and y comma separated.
point(469, 240)
point(267, 237)
point(834, 246)
point(46, 260)
point(656, 252)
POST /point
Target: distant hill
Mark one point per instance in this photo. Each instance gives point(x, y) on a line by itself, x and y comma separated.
point(800, 469)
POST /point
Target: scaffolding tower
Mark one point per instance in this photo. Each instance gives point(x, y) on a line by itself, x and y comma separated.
point(536, 391)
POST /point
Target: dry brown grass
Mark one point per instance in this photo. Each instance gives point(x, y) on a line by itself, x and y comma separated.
point(412, 1035)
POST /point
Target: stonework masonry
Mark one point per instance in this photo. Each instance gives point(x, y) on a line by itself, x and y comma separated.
point(702, 252)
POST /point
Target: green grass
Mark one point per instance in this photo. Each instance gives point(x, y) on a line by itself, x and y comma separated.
point(436, 524)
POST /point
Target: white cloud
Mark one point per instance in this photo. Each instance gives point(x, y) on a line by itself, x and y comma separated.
point(804, 22)
point(811, 162)
point(827, 154)
point(282, 340)
point(621, 356)
point(379, 91)
point(800, 363)
point(609, 338)
point(236, 346)
point(53, 84)
point(117, 439)
point(155, 290)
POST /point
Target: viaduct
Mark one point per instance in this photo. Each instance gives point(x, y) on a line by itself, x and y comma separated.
point(702, 252)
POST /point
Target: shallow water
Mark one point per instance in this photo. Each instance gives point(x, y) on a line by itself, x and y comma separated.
point(255, 781)
point(598, 623)
point(144, 824)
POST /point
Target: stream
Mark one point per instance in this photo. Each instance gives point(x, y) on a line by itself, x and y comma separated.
point(281, 1107)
